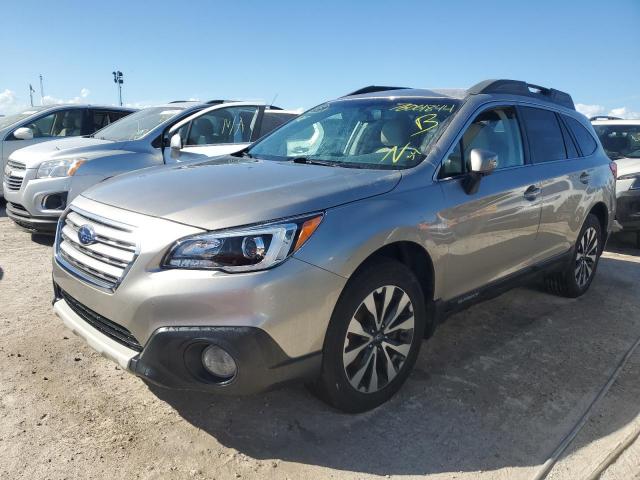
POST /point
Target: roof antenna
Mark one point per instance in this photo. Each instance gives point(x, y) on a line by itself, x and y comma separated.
point(274, 99)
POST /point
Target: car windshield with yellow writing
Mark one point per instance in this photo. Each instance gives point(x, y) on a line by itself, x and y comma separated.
point(360, 133)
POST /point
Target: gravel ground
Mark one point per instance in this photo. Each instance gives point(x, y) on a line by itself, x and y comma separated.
point(493, 395)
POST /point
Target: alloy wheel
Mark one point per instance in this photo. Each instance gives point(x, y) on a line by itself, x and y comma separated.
point(378, 339)
point(586, 256)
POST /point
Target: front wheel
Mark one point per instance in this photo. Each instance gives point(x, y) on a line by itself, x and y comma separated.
point(576, 277)
point(373, 338)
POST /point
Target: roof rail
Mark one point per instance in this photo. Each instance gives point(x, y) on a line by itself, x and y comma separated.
point(179, 101)
point(373, 88)
point(604, 117)
point(518, 87)
point(273, 107)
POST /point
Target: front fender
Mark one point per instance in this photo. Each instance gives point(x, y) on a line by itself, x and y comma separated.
point(350, 233)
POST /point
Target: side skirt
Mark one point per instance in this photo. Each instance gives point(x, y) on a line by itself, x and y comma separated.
point(442, 309)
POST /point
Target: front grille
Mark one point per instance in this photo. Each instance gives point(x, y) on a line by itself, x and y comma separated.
point(105, 261)
point(14, 175)
point(102, 324)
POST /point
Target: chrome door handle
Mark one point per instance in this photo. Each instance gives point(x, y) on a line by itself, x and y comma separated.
point(532, 193)
point(585, 177)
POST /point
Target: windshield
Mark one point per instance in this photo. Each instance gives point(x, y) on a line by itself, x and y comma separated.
point(620, 140)
point(360, 133)
point(11, 119)
point(137, 125)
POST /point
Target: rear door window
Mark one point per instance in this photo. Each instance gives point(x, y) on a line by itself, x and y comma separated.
point(272, 120)
point(97, 119)
point(113, 116)
point(585, 140)
point(546, 143)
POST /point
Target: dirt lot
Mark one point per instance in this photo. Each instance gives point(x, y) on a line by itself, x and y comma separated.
point(494, 395)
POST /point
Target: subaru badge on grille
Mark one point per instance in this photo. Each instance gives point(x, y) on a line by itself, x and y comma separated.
point(86, 235)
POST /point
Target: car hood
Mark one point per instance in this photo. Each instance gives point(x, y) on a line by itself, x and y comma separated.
point(628, 165)
point(228, 191)
point(74, 147)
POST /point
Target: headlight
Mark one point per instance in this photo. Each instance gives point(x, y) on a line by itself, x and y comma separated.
point(243, 250)
point(59, 168)
point(632, 176)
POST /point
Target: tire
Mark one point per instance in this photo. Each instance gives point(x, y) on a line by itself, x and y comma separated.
point(359, 351)
point(576, 277)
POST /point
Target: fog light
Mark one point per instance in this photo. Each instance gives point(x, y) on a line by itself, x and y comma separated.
point(218, 362)
point(55, 201)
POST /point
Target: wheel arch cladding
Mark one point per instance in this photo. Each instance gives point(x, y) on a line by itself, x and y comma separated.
point(418, 260)
point(601, 212)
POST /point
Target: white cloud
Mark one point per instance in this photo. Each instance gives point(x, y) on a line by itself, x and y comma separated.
point(625, 113)
point(50, 100)
point(8, 102)
point(593, 110)
point(139, 104)
point(590, 110)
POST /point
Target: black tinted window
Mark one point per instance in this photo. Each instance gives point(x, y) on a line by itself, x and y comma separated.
point(545, 138)
point(271, 121)
point(99, 119)
point(572, 151)
point(585, 140)
point(113, 116)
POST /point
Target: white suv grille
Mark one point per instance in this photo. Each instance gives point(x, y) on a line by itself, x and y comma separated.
point(103, 261)
point(14, 175)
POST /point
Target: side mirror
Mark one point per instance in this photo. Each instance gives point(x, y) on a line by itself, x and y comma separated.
point(176, 142)
point(23, 133)
point(482, 162)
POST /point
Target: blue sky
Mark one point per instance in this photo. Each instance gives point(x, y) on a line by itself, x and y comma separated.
point(307, 52)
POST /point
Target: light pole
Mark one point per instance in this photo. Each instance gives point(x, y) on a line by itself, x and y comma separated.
point(41, 91)
point(118, 80)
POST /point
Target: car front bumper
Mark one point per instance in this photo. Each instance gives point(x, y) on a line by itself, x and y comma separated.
point(172, 356)
point(157, 321)
point(25, 206)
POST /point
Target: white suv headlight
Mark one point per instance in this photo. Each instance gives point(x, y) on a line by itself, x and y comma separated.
point(59, 168)
point(242, 250)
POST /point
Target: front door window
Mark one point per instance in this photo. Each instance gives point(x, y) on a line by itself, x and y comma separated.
point(224, 125)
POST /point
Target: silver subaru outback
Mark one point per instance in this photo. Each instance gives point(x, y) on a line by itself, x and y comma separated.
point(328, 250)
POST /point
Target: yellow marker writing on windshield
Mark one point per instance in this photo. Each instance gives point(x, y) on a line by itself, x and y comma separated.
point(429, 107)
point(397, 155)
point(425, 123)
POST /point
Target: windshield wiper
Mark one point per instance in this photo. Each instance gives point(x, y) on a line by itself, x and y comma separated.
point(310, 161)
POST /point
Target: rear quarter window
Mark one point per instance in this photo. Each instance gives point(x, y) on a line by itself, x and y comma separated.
point(585, 140)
